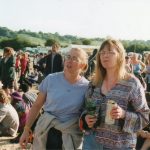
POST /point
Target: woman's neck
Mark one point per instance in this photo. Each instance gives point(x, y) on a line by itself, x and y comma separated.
point(111, 78)
point(111, 74)
point(109, 82)
point(72, 78)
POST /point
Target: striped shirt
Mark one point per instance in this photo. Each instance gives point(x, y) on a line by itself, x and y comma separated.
point(129, 95)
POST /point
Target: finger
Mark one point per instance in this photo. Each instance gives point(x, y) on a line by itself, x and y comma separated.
point(22, 145)
point(87, 117)
point(90, 119)
point(90, 126)
point(26, 141)
point(91, 123)
point(91, 116)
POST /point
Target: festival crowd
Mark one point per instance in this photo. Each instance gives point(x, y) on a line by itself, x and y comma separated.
point(98, 102)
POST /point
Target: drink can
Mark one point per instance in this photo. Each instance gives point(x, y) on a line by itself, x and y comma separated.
point(108, 118)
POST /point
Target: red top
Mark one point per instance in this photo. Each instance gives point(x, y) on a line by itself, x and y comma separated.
point(23, 63)
point(17, 62)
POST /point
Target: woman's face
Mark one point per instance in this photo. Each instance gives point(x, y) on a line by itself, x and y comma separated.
point(128, 60)
point(134, 57)
point(74, 62)
point(109, 57)
point(6, 54)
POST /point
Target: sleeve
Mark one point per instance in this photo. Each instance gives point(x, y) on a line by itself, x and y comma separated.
point(11, 65)
point(43, 87)
point(2, 115)
point(61, 63)
point(82, 123)
point(137, 114)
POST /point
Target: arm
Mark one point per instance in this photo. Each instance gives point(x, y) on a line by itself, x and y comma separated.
point(32, 117)
point(137, 113)
point(143, 66)
point(61, 62)
point(88, 118)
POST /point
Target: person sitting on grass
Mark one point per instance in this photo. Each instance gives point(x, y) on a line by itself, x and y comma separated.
point(28, 96)
point(21, 108)
point(9, 120)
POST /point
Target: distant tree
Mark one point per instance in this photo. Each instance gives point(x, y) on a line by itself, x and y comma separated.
point(50, 42)
point(77, 42)
point(17, 43)
point(24, 38)
point(56, 34)
point(5, 32)
point(11, 43)
point(86, 42)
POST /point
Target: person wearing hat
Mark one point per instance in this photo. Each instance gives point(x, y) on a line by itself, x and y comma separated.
point(21, 108)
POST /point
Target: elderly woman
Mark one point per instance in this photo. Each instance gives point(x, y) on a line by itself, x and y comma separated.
point(7, 70)
point(62, 95)
point(115, 106)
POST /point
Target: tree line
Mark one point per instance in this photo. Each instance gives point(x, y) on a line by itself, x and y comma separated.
point(26, 38)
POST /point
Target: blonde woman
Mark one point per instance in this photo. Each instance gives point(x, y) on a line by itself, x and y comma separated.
point(62, 95)
point(113, 128)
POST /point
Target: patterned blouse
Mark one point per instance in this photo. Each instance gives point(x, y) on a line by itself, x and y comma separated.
point(129, 95)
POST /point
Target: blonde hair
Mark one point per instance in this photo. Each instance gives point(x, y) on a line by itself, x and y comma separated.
point(148, 59)
point(24, 55)
point(100, 71)
point(3, 97)
point(84, 56)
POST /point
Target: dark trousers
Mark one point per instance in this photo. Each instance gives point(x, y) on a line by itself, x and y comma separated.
point(54, 140)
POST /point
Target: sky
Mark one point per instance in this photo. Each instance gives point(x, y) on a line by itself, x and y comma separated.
point(120, 19)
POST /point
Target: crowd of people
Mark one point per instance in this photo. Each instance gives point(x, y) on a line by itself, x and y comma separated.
point(72, 107)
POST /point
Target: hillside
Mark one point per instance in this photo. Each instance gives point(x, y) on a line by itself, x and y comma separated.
point(26, 38)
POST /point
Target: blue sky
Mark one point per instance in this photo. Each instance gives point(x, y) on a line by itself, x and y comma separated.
point(122, 19)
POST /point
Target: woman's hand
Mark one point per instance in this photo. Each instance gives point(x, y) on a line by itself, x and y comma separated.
point(90, 120)
point(144, 134)
point(117, 112)
point(24, 139)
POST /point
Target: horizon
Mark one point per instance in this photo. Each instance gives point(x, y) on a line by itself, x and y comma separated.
point(124, 20)
point(76, 35)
